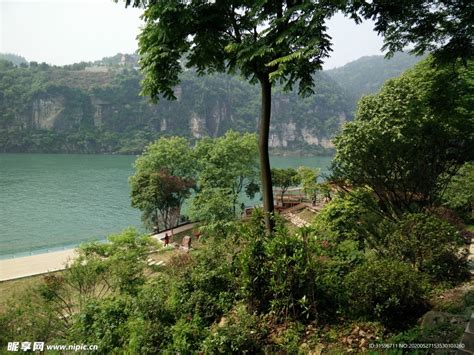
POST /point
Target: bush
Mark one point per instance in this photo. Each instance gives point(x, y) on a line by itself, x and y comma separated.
point(205, 285)
point(187, 335)
point(335, 261)
point(288, 340)
point(278, 273)
point(348, 216)
point(430, 245)
point(459, 194)
point(388, 291)
point(26, 316)
point(239, 332)
point(103, 322)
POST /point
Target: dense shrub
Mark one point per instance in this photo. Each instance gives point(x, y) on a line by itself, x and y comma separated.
point(430, 245)
point(334, 262)
point(278, 274)
point(205, 285)
point(459, 194)
point(388, 291)
point(186, 335)
point(149, 330)
point(348, 216)
point(239, 332)
point(104, 323)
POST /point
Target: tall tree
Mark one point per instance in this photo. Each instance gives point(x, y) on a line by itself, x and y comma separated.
point(264, 41)
point(163, 179)
point(284, 179)
point(309, 182)
point(159, 196)
point(229, 162)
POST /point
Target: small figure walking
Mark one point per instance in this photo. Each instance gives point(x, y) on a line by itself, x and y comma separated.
point(167, 239)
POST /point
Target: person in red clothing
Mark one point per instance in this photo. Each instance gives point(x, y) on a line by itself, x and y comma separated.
point(167, 239)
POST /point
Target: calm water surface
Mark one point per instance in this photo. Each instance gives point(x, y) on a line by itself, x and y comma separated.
point(55, 201)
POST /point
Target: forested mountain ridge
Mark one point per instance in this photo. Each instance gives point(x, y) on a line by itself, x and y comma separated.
point(15, 59)
point(95, 108)
point(367, 74)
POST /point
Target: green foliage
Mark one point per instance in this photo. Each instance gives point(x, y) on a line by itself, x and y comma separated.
point(459, 194)
point(334, 261)
point(227, 166)
point(103, 323)
point(164, 177)
point(288, 341)
point(187, 335)
point(88, 302)
point(214, 207)
point(238, 332)
point(27, 317)
point(253, 293)
point(429, 244)
point(13, 58)
point(205, 286)
point(309, 182)
point(285, 49)
point(349, 216)
point(443, 27)
point(387, 290)
point(173, 154)
point(277, 274)
point(123, 259)
point(409, 139)
point(285, 178)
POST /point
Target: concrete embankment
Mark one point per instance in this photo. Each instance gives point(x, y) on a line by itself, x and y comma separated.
point(25, 266)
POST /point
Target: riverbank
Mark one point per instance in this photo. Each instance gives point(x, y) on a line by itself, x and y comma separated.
point(311, 151)
point(16, 268)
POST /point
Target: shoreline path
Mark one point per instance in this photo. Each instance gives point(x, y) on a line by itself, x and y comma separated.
point(16, 268)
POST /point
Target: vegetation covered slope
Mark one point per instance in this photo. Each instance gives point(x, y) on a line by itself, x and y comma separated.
point(366, 75)
point(96, 108)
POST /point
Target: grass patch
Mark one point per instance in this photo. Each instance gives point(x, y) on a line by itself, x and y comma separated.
point(13, 288)
point(306, 215)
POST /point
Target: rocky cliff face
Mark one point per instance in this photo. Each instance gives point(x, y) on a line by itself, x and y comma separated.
point(79, 108)
point(75, 112)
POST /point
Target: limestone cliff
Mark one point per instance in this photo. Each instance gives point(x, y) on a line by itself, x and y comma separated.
point(80, 111)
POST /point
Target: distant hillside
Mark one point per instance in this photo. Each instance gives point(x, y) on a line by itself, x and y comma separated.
point(96, 108)
point(15, 59)
point(367, 74)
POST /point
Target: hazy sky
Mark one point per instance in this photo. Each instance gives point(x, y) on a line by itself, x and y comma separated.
point(68, 31)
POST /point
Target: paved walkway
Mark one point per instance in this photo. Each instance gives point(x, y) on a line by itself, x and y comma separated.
point(176, 230)
point(16, 268)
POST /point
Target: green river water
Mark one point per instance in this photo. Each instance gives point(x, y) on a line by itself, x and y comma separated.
point(54, 201)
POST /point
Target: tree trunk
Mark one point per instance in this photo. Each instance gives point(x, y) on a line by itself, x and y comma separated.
point(266, 177)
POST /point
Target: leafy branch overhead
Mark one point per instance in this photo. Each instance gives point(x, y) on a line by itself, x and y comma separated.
point(284, 40)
